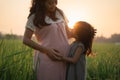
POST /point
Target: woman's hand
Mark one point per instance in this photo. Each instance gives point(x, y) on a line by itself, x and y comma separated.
point(53, 54)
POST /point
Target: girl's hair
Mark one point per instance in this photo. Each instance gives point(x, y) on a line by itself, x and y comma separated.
point(85, 33)
point(38, 8)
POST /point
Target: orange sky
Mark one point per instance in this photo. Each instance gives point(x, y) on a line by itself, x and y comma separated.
point(104, 15)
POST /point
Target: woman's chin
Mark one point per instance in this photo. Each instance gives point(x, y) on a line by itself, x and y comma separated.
point(52, 10)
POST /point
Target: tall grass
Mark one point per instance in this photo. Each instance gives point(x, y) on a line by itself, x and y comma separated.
point(16, 61)
point(105, 65)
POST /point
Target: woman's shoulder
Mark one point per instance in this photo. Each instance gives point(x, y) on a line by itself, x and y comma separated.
point(30, 23)
point(31, 16)
point(60, 11)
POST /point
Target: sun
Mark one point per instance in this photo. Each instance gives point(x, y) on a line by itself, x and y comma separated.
point(71, 24)
point(72, 21)
point(81, 15)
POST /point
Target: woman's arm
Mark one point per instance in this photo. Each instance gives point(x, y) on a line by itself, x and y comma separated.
point(75, 58)
point(69, 32)
point(27, 41)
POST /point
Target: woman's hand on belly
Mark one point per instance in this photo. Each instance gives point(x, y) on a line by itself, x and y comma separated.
point(53, 54)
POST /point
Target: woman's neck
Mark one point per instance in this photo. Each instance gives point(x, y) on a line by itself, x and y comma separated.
point(52, 15)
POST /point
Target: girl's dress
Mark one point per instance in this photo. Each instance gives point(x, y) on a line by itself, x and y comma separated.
point(52, 36)
point(76, 71)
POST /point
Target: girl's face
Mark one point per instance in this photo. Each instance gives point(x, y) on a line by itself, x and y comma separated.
point(51, 5)
point(76, 30)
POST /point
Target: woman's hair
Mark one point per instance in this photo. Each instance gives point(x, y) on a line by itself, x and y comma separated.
point(38, 8)
point(85, 33)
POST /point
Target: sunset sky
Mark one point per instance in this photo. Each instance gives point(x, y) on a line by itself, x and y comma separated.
point(104, 15)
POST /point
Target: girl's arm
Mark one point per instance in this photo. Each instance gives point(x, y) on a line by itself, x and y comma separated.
point(27, 41)
point(75, 58)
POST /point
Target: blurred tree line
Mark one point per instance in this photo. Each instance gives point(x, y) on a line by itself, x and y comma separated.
point(10, 36)
point(115, 38)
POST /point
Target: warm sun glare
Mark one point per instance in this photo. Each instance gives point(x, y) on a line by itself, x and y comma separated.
point(72, 21)
point(73, 18)
point(71, 24)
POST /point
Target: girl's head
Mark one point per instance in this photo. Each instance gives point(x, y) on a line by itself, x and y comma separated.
point(84, 32)
point(40, 8)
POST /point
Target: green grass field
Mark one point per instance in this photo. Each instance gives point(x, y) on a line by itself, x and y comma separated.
point(16, 61)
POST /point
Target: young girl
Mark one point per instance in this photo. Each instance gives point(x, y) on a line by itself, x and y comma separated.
point(83, 33)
